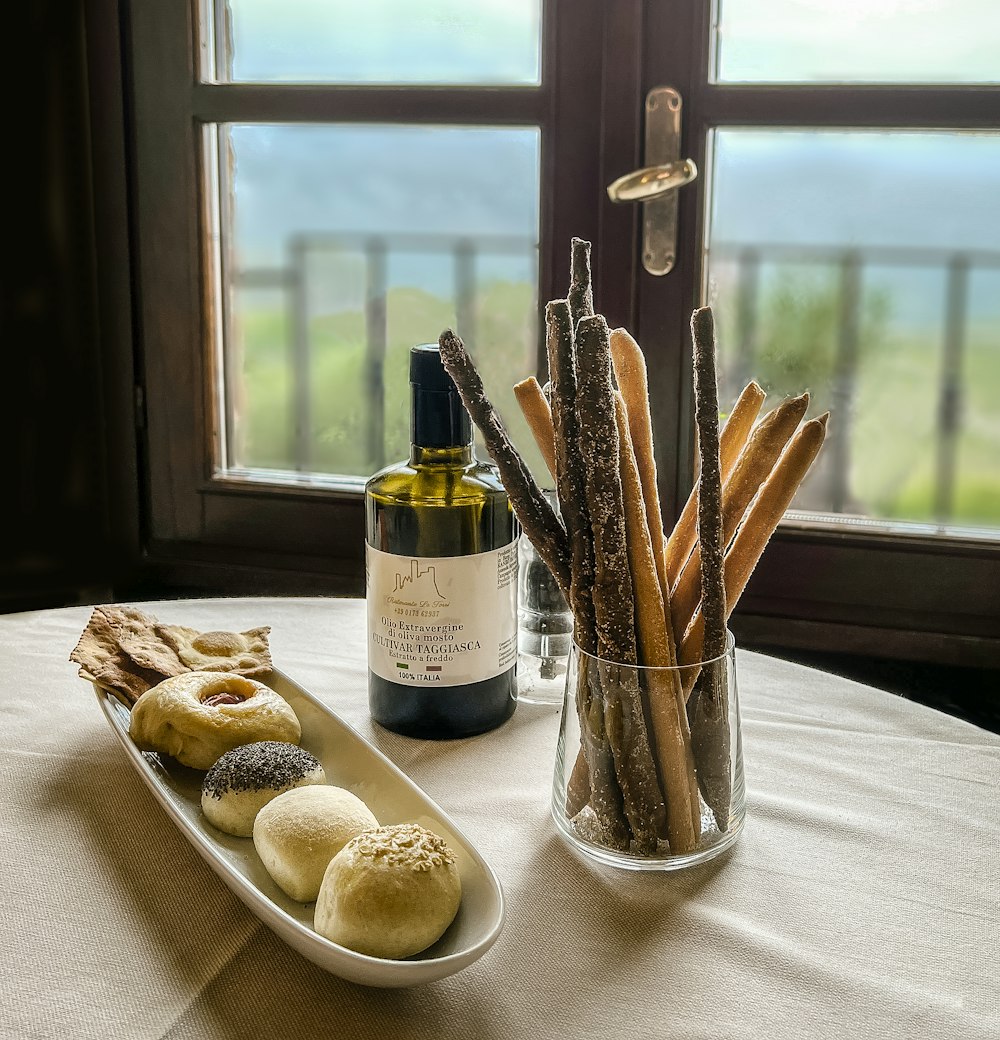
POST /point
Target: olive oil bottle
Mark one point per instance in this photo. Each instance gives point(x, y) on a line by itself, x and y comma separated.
point(441, 574)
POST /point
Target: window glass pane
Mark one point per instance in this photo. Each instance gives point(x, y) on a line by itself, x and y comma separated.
point(342, 247)
point(842, 262)
point(905, 41)
point(381, 41)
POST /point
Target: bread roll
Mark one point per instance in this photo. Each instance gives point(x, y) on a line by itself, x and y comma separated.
point(198, 716)
point(390, 892)
point(299, 832)
point(245, 779)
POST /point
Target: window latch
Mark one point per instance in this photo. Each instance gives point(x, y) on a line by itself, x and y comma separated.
point(655, 185)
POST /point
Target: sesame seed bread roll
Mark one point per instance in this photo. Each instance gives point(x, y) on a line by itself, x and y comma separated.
point(390, 892)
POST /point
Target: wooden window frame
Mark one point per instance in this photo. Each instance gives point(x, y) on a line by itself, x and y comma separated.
point(909, 597)
point(212, 531)
point(818, 586)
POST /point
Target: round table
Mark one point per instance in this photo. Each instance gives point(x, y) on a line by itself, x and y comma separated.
point(861, 899)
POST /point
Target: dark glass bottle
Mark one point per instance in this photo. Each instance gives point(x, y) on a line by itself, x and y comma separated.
point(441, 570)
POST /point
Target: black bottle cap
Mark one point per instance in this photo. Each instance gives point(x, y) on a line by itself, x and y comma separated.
point(438, 418)
point(427, 369)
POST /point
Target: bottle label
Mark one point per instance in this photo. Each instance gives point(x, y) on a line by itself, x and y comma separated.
point(441, 621)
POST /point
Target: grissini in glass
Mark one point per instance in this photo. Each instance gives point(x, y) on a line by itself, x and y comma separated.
point(655, 744)
point(713, 710)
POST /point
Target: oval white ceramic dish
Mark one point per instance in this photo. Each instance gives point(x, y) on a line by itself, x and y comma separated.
point(350, 762)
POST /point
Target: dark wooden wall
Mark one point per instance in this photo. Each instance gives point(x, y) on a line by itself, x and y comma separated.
point(57, 546)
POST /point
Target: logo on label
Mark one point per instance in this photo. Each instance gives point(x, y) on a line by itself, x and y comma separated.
point(423, 582)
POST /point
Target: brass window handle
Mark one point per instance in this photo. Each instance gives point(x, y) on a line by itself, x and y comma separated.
point(652, 182)
point(655, 184)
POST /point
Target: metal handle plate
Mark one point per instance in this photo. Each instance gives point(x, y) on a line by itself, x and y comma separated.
point(656, 184)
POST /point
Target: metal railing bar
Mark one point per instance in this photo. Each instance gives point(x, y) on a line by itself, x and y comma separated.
point(950, 389)
point(902, 256)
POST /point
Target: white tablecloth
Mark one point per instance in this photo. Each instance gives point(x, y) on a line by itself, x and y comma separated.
point(861, 899)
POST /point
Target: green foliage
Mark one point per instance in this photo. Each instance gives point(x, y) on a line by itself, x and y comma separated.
point(339, 392)
point(891, 416)
point(892, 422)
point(800, 324)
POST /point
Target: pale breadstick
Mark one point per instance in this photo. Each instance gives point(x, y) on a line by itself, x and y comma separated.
point(537, 414)
point(755, 462)
point(671, 738)
point(734, 435)
point(630, 371)
point(758, 525)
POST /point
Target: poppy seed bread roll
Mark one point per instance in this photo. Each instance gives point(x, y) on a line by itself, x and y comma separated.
point(245, 779)
point(299, 832)
point(390, 892)
point(198, 716)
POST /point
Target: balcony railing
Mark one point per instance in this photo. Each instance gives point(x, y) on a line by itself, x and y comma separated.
point(739, 358)
point(955, 266)
point(465, 254)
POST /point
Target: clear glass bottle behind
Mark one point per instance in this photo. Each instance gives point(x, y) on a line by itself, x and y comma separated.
point(441, 575)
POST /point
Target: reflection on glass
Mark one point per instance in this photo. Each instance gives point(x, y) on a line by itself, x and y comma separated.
point(381, 41)
point(902, 41)
point(839, 262)
point(345, 245)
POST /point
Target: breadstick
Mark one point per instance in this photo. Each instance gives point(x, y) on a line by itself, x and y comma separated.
point(731, 440)
point(593, 777)
point(570, 475)
point(536, 412)
point(755, 462)
point(581, 291)
point(630, 371)
point(603, 791)
point(613, 607)
point(668, 717)
point(710, 736)
point(713, 591)
point(534, 513)
point(758, 525)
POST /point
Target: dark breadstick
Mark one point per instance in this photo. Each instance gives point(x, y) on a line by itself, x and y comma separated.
point(713, 587)
point(604, 793)
point(581, 290)
point(614, 613)
point(709, 720)
point(570, 474)
point(597, 778)
point(534, 513)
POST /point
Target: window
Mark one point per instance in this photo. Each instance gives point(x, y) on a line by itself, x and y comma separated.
point(317, 186)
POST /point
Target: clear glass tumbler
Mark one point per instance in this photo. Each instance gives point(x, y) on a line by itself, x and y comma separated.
point(649, 763)
point(544, 631)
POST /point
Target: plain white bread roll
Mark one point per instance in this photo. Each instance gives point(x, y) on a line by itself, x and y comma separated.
point(299, 832)
point(198, 716)
point(390, 892)
point(245, 779)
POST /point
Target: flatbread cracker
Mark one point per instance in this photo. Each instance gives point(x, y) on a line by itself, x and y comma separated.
point(135, 632)
point(98, 652)
point(246, 653)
